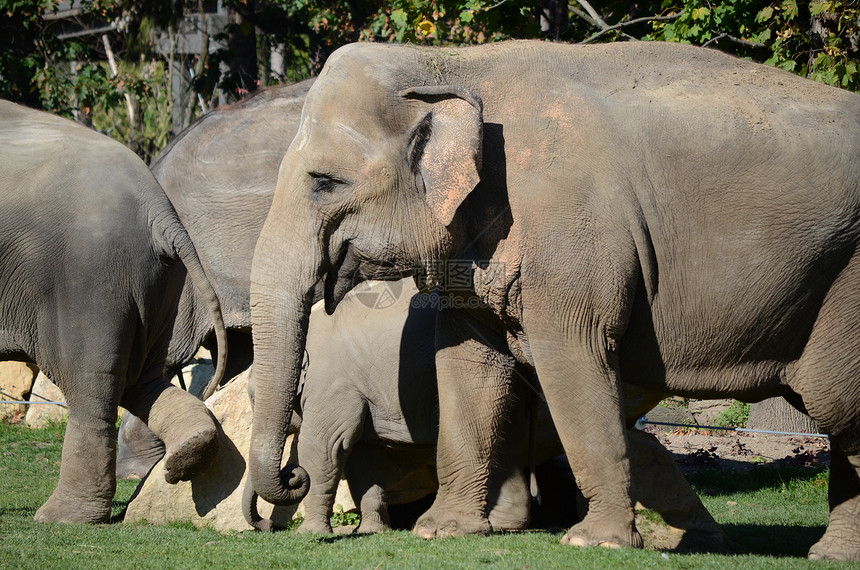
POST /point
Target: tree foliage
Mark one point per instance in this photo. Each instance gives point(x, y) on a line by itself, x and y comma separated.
point(818, 39)
point(275, 41)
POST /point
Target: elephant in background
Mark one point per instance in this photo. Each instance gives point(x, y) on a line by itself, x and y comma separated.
point(220, 174)
point(368, 411)
point(92, 265)
point(659, 215)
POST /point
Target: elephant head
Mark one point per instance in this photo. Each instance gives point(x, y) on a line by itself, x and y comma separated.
point(369, 185)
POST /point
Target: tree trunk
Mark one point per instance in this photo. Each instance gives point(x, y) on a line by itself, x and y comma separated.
point(778, 415)
point(553, 17)
point(243, 53)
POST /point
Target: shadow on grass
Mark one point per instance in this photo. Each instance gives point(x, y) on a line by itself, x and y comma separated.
point(778, 540)
point(715, 483)
point(23, 512)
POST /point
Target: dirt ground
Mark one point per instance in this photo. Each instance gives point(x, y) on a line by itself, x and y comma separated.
point(695, 449)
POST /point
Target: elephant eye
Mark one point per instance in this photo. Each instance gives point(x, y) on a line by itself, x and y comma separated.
point(326, 189)
point(323, 184)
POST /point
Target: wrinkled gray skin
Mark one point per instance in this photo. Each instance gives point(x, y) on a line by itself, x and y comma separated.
point(220, 174)
point(658, 214)
point(369, 412)
point(92, 261)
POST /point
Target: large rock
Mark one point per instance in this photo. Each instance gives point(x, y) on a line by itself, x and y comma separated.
point(197, 373)
point(40, 415)
point(214, 499)
point(16, 381)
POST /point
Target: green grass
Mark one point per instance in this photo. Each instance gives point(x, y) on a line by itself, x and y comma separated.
point(736, 415)
point(775, 515)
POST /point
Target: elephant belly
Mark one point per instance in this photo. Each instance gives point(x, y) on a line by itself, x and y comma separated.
point(745, 357)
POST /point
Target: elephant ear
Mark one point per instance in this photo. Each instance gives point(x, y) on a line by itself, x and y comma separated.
point(445, 146)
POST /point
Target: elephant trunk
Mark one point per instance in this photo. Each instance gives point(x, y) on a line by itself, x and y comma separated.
point(282, 289)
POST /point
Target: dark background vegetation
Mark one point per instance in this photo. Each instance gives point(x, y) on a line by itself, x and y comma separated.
point(129, 69)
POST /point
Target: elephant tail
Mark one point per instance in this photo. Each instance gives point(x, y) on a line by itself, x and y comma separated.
point(169, 231)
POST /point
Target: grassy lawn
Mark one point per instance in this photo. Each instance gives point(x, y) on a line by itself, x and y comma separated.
point(774, 515)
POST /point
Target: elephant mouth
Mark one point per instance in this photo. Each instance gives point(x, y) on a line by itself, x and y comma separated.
point(352, 268)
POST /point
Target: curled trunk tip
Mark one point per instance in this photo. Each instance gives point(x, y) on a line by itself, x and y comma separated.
point(293, 478)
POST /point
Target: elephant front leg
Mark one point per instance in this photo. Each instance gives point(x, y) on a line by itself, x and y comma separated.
point(580, 382)
point(658, 485)
point(321, 463)
point(326, 440)
point(474, 373)
point(87, 472)
point(509, 499)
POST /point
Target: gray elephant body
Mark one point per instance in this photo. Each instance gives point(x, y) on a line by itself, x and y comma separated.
point(661, 215)
point(92, 264)
point(220, 174)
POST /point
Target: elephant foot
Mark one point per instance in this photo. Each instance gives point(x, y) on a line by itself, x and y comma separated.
point(192, 456)
point(138, 449)
point(603, 533)
point(503, 521)
point(136, 467)
point(315, 526)
point(68, 509)
point(440, 523)
point(841, 540)
point(837, 545)
point(371, 523)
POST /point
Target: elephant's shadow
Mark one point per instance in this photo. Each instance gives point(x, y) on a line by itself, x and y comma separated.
point(779, 541)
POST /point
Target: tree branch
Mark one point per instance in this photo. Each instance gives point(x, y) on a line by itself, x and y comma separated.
point(621, 25)
point(593, 14)
point(112, 62)
point(733, 39)
point(576, 11)
point(496, 5)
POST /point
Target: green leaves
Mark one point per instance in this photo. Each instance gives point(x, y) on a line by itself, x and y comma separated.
point(764, 15)
point(701, 13)
point(813, 38)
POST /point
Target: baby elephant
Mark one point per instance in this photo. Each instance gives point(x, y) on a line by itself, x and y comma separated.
point(369, 413)
point(92, 262)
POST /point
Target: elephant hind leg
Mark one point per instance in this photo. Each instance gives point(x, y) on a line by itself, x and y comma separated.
point(87, 482)
point(364, 473)
point(182, 422)
point(138, 449)
point(827, 377)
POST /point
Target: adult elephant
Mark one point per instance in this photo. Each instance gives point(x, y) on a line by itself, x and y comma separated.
point(665, 215)
point(220, 174)
point(92, 265)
